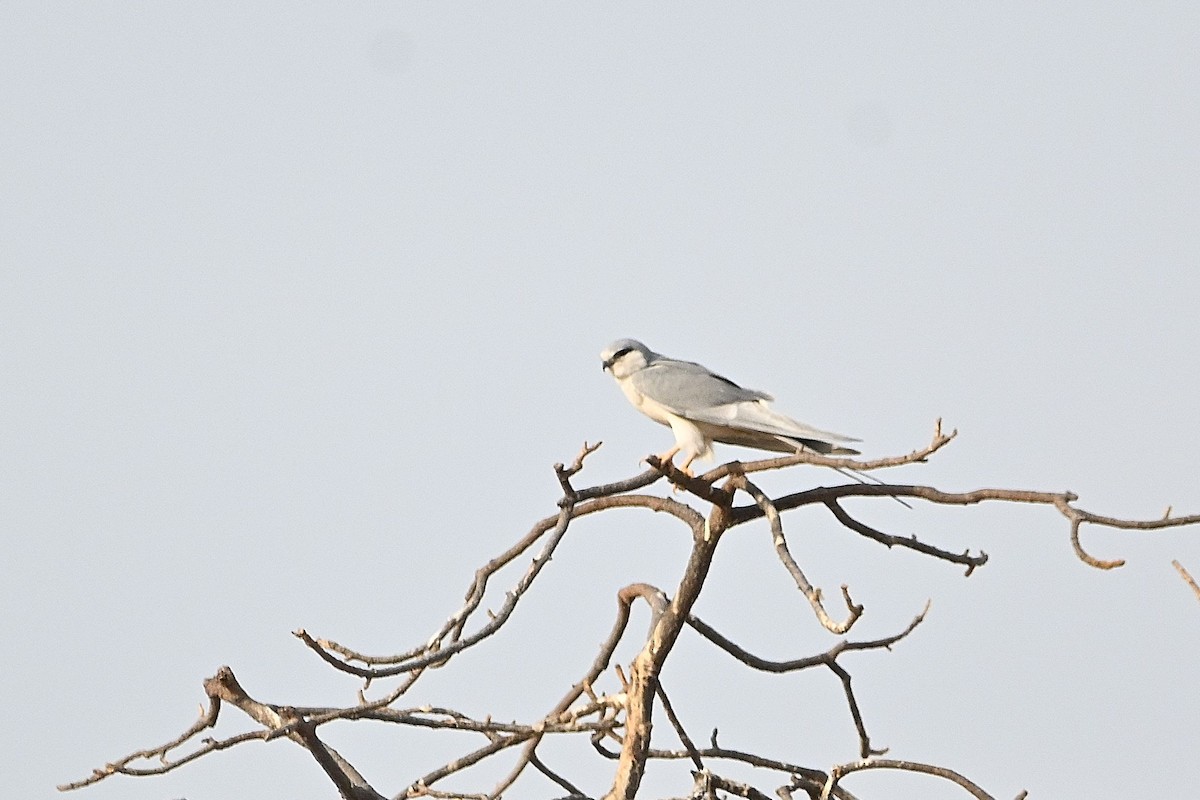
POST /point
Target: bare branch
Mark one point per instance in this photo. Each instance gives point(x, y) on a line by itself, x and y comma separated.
point(781, 548)
point(284, 721)
point(278, 721)
point(911, 542)
point(1077, 516)
point(421, 786)
point(350, 784)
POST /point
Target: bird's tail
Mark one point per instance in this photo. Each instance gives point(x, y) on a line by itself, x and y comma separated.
point(830, 449)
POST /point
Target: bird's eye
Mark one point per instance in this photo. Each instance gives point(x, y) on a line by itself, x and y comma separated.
point(624, 351)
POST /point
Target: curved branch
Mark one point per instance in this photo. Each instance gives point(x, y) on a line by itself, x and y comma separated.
point(554, 776)
point(1077, 516)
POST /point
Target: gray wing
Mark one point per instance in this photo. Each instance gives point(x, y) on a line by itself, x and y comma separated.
point(756, 425)
point(727, 412)
point(686, 388)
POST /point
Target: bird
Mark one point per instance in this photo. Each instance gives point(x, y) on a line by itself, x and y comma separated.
point(702, 407)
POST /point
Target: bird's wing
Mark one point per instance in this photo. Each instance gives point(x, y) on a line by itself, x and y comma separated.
point(758, 417)
point(685, 388)
point(728, 412)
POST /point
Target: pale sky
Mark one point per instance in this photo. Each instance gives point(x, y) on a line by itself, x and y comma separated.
point(300, 304)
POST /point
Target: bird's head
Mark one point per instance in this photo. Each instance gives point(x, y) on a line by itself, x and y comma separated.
point(624, 357)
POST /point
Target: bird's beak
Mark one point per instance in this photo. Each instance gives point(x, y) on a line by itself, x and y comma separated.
point(605, 366)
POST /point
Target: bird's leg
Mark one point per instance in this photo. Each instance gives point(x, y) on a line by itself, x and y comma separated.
point(686, 467)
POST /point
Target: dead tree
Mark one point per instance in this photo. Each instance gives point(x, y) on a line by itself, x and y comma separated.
point(620, 723)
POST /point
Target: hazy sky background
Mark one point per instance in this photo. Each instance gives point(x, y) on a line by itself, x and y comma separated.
point(299, 304)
